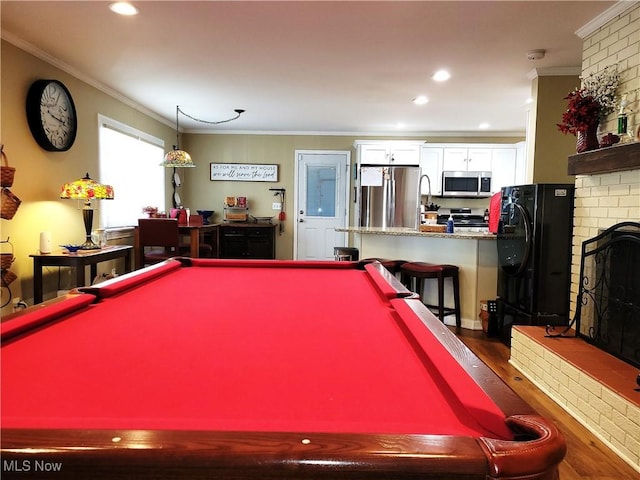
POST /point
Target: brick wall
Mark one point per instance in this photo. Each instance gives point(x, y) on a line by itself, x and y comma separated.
point(610, 416)
point(600, 202)
point(617, 42)
point(604, 200)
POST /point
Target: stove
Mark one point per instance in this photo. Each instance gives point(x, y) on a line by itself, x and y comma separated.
point(464, 217)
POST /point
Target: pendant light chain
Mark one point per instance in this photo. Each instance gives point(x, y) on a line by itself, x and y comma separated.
point(177, 129)
point(238, 113)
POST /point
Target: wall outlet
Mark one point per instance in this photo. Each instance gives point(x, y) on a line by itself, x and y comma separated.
point(276, 205)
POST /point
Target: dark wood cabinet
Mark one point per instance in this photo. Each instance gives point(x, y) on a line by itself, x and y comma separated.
point(245, 240)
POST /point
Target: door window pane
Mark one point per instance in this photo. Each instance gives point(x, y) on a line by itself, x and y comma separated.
point(321, 191)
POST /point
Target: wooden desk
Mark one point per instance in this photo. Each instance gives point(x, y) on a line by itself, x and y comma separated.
point(78, 261)
point(196, 232)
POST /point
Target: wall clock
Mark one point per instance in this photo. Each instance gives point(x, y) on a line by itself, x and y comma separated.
point(51, 114)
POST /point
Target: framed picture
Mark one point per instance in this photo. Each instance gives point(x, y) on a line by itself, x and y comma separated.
point(245, 172)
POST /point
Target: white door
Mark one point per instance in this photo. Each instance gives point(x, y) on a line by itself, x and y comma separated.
point(322, 190)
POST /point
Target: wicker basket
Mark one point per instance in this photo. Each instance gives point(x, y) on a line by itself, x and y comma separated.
point(9, 205)
point(7, 173)
point(6, 259)
point(7, 277)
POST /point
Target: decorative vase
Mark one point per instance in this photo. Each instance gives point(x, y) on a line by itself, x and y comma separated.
point(588, 139)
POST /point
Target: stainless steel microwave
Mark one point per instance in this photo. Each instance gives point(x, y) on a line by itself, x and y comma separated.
point(466, 184)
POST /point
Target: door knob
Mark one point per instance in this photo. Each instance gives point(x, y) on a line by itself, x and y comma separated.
point(301, 212)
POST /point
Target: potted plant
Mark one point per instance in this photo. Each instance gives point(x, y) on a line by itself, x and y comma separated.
point(588, 106)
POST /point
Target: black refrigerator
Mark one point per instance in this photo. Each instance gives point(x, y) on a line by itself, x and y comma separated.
point(534, 255)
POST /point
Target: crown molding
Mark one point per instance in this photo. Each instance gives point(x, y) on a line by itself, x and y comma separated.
point(51, 60)
point(404, 136)
point(606, 16)
point(554, 72)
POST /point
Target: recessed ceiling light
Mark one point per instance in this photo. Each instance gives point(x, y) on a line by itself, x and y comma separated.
point(123, 8)
point(420, 100)
point(483, 126)
point(441, 76)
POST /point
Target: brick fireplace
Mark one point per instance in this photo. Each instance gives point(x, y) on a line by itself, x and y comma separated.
point(595, 387)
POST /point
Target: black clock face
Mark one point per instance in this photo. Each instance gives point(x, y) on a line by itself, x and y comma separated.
point(51, 115)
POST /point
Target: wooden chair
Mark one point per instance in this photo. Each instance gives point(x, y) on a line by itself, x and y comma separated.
point(158, 240)
point(205, 250)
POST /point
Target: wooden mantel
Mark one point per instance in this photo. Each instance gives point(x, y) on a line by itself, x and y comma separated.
point(625, 156)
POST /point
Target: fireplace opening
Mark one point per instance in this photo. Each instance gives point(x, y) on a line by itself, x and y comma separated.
point(608, 302)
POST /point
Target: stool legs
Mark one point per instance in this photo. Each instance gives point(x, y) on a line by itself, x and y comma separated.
point(413, 275)
point(441, 298)
point(456, 299)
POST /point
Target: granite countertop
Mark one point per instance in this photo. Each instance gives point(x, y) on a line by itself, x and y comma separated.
point(410, 232)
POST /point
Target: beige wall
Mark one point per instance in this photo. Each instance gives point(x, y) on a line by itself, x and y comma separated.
point(200, 193)
point(40, 174)
point(550, 146)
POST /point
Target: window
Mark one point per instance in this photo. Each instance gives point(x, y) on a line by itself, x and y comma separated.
point(321, 191)
point(130, 162)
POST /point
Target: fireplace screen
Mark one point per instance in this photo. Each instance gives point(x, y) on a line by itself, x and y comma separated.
point(608, 303)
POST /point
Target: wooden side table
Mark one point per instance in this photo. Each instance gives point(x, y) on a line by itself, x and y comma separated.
point(79, 261)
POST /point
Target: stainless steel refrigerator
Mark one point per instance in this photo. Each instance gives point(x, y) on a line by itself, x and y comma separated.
point(388, 196)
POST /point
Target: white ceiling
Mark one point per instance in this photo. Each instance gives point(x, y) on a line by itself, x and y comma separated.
point(349, 67)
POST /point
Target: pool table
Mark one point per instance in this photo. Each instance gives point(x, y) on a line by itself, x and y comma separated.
point(224, 369)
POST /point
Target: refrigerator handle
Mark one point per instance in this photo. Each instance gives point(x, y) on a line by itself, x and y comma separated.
point(391, 211)
point(366, 201)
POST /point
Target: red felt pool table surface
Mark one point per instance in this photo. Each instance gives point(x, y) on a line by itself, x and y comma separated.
point(270, 348)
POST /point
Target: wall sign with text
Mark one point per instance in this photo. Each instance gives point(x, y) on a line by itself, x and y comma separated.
point(247, 172)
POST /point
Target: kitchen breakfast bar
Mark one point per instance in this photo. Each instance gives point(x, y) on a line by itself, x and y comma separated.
point(473, 252)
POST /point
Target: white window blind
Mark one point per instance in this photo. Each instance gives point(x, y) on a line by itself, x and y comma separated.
point(130, 162)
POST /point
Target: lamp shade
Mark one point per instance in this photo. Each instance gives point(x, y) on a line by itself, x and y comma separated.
point(177, 158)
point(86, 189)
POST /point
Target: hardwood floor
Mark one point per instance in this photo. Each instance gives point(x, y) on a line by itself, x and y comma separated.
point(587, 457)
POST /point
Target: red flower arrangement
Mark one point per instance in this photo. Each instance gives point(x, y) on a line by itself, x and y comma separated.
point(582, 112)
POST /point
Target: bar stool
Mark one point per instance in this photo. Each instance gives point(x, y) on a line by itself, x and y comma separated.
point(419, 271)
point(392, 265)
point(346, 253)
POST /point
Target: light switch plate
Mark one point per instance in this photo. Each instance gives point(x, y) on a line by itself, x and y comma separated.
point(276, 205)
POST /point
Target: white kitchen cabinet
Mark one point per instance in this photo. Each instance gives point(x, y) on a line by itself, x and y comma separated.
point(504, 161)
point(372, 152)
point(475, 159)
point(521, 164)
point(431, 165)
point(503, 168)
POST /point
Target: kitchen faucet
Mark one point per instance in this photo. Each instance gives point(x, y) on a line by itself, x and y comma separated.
point(420, 195)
